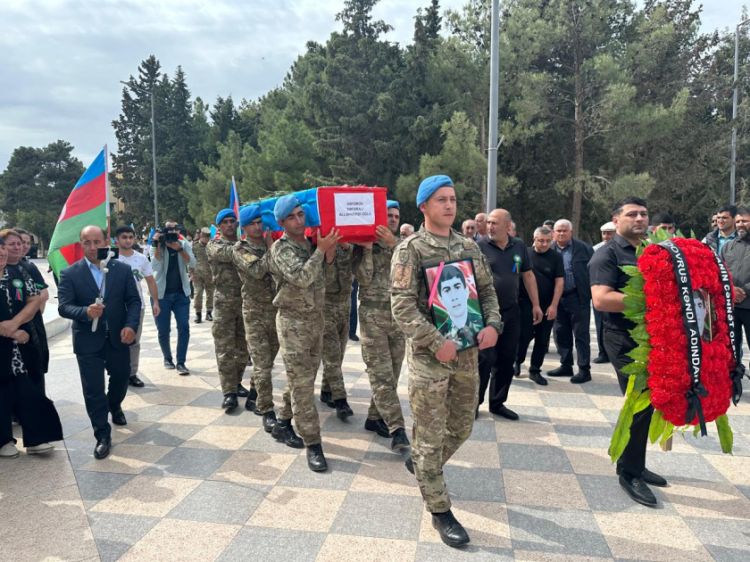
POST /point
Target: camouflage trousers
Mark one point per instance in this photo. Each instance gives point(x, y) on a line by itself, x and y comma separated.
point(301, 342)
point(383, 348)
point(263, 343)
point(230, 345)
point(203, 282)
point(335, 337)
point(443, 399)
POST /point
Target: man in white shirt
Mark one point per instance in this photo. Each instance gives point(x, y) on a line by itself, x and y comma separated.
point(125, 237)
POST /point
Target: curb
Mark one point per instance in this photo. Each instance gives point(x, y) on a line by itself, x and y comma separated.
point(56, 327)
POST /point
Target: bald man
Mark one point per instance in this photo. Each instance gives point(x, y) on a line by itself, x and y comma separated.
point(91, 291)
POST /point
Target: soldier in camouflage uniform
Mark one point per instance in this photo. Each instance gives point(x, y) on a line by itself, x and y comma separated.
point(228, 329)
point(300, 273)
point(203, 280)
point(338, 304)
point(443, 382)
point(383, 344)
point(251, 258)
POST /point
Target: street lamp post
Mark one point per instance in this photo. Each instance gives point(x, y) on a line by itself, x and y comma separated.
point(492, 144)
point(153, 153)
point(732, 187)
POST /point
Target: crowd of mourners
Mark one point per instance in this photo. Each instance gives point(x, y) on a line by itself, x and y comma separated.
point(304, 297)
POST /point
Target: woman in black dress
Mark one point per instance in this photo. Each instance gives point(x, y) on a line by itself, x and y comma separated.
point(21, 390)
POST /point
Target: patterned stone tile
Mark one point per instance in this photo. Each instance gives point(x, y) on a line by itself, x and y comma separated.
point(185, 461)
point(252, 467)
point(371, 515)
point(713, 500)
point(534, 457)
point(221, 437)
point(162, 434)
point(115, 534)
point(298, 509)
point(486, 523)
point(260, 543)
point(148, 496)
point(128, 459)
point(384, 473)
point(543, 489)
point(220, 502)
point(366, 549)
point(725, 540)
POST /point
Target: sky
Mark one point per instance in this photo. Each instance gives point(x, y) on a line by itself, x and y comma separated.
point(62, 60)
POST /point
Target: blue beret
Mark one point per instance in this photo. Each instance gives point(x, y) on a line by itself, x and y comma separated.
point(249, 213)
point(393, 204)
point(284, 207)
point(431, 185)
point(224, 213)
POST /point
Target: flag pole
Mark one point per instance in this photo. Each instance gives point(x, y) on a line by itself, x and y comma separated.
point(106, 193)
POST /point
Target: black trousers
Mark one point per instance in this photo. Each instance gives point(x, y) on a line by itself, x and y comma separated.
point(599, 322)
point(742, 324)
point(539, 333)
point(572, 324)
point(633, 459)
point(116, 361)
point(35, 412)
point(497, 363)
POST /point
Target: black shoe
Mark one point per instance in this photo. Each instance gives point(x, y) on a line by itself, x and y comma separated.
point(451, 531)
point(400, 440)
point(209, 316)
point(316, 461)
point(118, 418)
point(504, 412)
point(582, 376)
point(343, 410)
point(269, 420)
point(325, 397)
point(537, 377)
point(601, 359)
point(378, 426)
point(230, 403)
point(101, 451)
point(354, 337)
point(562, 371)
point(168, 364)
point(653, 479)
point(251, 402)
point(284, 432)
point(516, 369)
point(197, 318)
point(249, 361)
point(135, 381)
point(242, 392)
point(637, 490)
point(182, 370)
point(409, 464)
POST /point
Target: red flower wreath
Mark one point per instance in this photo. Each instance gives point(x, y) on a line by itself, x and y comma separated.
point(668, 378)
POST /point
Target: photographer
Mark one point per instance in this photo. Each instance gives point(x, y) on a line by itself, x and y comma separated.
point(171, 257)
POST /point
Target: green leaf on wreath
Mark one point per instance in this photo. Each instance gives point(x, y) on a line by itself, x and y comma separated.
point(726, 437)
point(634, 369)
point(667, 434)
point(640, 353)
point(657, 427)
point(639, 334)
point(642, 401)
point(621, 435)
point(630, 270)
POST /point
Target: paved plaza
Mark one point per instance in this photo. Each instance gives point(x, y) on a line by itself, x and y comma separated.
point(187, 482)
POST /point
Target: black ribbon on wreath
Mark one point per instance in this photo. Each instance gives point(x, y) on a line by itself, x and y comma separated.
point(692, 330)
point(734, 342)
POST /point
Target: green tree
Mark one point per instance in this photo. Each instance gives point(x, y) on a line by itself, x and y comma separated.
point(36, 184)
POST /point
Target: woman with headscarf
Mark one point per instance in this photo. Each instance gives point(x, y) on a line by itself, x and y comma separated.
point(21, 390)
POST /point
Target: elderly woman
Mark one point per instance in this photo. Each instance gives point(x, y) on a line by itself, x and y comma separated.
point(20, 372)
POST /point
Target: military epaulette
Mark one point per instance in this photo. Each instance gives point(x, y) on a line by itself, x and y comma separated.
point(468, 243)
point(408, 239)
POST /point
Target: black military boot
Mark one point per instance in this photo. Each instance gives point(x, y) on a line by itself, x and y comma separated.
point(209, 316)
point(242, 392)
point(451, 531)
point(378, 426)
point(198, 319)
point(343, 410)
point(400, 440)
point(284, 432)
point(316, 461)
point(230, 403)
point(269, 420)
point(326, 398)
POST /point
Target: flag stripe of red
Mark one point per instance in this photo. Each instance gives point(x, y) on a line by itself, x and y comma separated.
point(85, 198)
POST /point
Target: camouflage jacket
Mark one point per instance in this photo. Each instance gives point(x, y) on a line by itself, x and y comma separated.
point(226, 279)
point(373, 272)
point(300, 273)
point(409, 293)
point(202, 266)
point(339, 276)
point(258, 286)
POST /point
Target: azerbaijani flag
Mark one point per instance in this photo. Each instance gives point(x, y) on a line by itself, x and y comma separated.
point(87, 204)
point(234, 203)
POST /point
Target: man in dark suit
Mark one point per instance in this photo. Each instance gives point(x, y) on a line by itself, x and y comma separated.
point(106, 347)
point(574, 311)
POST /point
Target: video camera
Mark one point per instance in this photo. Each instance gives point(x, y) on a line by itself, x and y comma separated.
point(167, 235)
